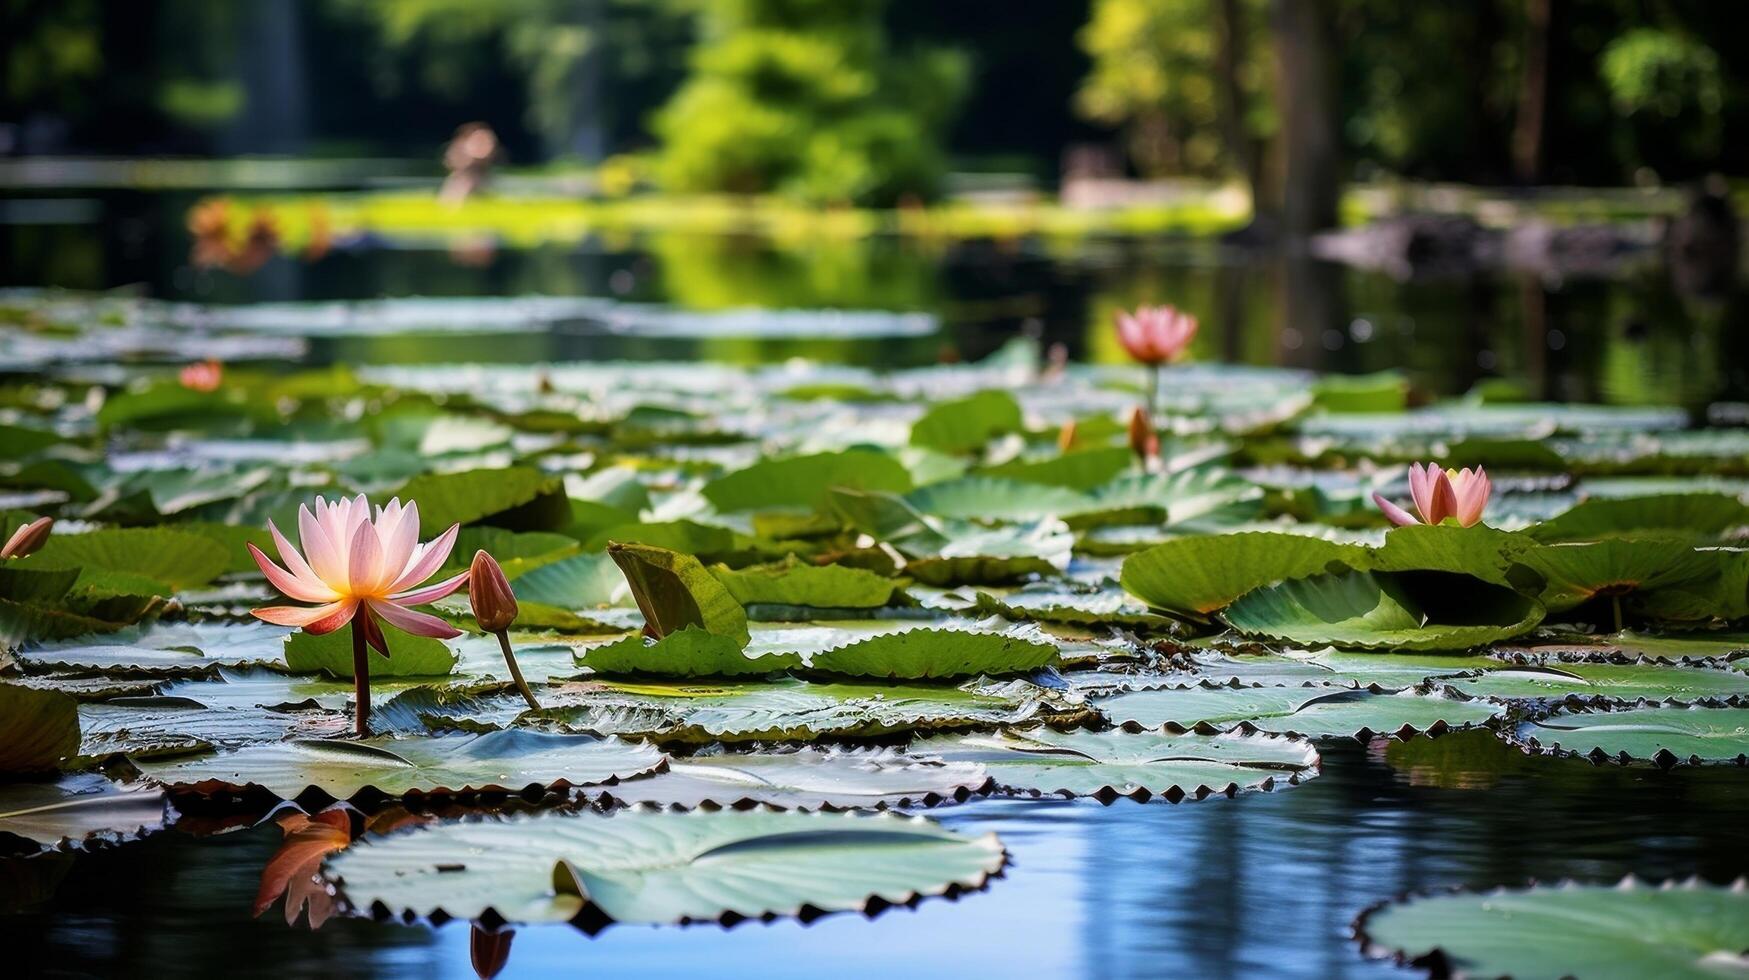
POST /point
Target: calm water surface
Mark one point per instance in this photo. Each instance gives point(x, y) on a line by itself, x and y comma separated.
point(1262, 885)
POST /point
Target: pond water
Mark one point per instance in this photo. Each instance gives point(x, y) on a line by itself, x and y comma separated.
point(1266, 884)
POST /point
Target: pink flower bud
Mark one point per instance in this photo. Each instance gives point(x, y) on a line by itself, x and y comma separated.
point(27, 538)
point(489, 594)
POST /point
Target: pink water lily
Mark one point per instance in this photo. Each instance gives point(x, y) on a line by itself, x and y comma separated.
point(356, 570)
point(1439, 494)
point(1156, 334)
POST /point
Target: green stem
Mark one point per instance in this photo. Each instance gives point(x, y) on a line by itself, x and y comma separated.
point(515, 671)
point(360, 680)
point(1153, 390)
point(1615, 601)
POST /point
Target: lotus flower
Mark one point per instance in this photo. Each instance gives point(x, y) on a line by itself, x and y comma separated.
point(1439, 494)
point(1156, 335)
point(202, 376)
point(356, 568)
point(28, 538)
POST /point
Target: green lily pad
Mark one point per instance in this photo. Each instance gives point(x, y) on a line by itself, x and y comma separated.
point(1058, 602)
point(1626, 682)
point(160, 725)
point(579, 582)
point(1479, 551)
point(796, 583)
point(674, 591)
point(804, 778)
point(988, 498)
point(656, 867)
point(1203, 574)
point(1578, 572)
point(505, 761)
point(1209, 495)
point(1601, 932)
point(803, 482)
point(38, 729)
point(1082, 469)
point(1690, 516)
point(177, 559)
point(331, 654)
point(1665, 734)
point(516, 497)
point(786, 710)
point(1139, 765)
point(77, 812)
point(165, 650)
point(1314, 712)
point(927, 653)
point(691, 652)
point(1408, 611)
point(964, 424)
point(1338, 668)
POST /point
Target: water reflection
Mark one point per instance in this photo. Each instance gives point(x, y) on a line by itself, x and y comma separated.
point(1633, 337)
point(1265, 884)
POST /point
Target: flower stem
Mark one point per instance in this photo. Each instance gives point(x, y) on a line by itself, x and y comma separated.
point(360, 679)
point(515, 671)
point(1153, 390)
point(1615, 601)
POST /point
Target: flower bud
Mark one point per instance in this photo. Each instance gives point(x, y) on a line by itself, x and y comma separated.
point(1143, 442)
point(27, 538)
point(1066, 437)
point(489, 594)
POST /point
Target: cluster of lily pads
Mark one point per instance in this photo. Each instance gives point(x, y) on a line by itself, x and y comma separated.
point(765, 615)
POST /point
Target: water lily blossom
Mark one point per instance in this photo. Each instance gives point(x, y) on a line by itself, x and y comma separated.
point(1439, 494)
point(354, 567)
point(203, 376)
point(28, 538)
point(1156, 335)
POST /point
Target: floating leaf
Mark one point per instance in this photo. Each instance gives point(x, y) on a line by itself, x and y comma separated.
point(1209, 495)
point(1409, 611)
point(690, 652)
point(1629, 682)
point(1478, 551)
point(331, 654)
point(505, 761)
point(1314, 712)
point(1057, 602)
point(1203, 574)
point(804, 481)
point(795, 583)
point(988, 498)
point(579, 582)
point(1622, 932)
point(38, 729)
point(516, 497)
point(783, 710)
point(644, 867)
point(1079, 470)
point(1691, 516)
point(1138, 765)
point(175, 558)
point(964, 424)
point(804, 778)
point(674, 592)
point(78, 811)
point(927, 653)
point(1663, 734)
point(165, 649)
point(1578, 572)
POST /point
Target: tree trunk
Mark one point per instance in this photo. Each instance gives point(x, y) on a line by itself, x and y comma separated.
point(1246, 152)
point(1305, 59)
point(1533, 94)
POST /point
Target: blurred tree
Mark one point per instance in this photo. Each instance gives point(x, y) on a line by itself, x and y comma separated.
point(1669, 88)
point(804, 98)
point(1306, 65)
point(1187, 81)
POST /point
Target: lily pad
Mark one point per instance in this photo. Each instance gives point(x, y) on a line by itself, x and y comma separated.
point(1578, 572)
point(795, 583)
point(77, 812)
point(964, 424)
point(674, 591)
point(516, 497)
point(1314, 712)
point(1203, 574)
point(1408, 611)
point(1628, 682)
point(331, 654)
point(177, 559)
point(988, 498)
point(1663, 734)
point(804, 778)
point(1621, 932)
point(691, 652)
point(1138, 765)
point(165, 650)
point(38, 729)
point(927, 653)
point(659, 867)
point(505, 761)
point(803, 482)
point(785, 710)
point(1691, 516)
point(1057, 602)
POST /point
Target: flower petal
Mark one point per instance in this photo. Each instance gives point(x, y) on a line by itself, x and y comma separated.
point(320, 548)
point(293, 586)
point(398, 529)
point(364, 565)
point(1396, 515)
point(429, 560)
point(1444, 502)
point(295, 563)
point(416, 623)
point(1420, 488)
point(315, 620)
point(431, 593)
point(1474, 498)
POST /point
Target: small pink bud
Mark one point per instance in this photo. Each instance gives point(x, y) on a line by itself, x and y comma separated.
point(28, 538)
point(1143, 442)
point(489, 594)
